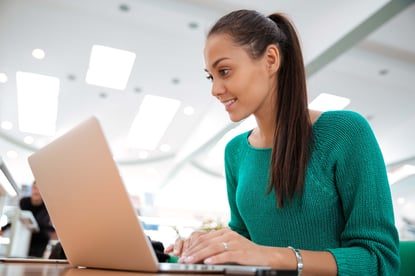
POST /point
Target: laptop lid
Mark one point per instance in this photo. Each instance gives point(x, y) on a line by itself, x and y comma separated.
point(88, 204)
point(91, 209)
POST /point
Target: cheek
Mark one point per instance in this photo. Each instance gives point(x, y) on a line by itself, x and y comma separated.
point(256, 84)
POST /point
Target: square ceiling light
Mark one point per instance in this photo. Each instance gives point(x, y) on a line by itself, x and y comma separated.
point(109, 67)
point(37, 103)
point(325, 102)
point(151, 122)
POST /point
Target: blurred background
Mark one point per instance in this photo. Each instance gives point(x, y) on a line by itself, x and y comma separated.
point(138, 65)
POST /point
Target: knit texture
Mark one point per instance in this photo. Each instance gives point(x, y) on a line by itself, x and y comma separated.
point(346, 207)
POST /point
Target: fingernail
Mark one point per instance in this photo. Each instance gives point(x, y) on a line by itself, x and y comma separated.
point(208, 261)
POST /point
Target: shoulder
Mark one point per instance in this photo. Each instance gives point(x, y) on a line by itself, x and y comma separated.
point(236, 147)
point(342, 129)
point(342, 122)
point(341, 116)
point(344, 133)
point(238, 141)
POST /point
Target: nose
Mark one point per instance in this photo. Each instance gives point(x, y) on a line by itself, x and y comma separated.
point(218, 90)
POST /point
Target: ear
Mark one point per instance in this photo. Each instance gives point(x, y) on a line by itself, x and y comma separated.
point(272, 58)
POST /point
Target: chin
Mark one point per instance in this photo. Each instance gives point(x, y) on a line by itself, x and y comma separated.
point(237, 118)
point(234, 119)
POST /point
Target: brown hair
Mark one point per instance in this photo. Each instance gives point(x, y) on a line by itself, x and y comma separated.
point(293, 137)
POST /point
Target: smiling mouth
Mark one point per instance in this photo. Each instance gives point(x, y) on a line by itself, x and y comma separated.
point(229, 102)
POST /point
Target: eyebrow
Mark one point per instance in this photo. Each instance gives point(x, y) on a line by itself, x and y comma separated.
point(216, 63)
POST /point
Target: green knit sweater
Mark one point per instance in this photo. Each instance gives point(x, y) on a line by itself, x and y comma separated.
point(346, 207)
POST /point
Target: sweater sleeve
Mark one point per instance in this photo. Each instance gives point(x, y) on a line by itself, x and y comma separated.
point(232, 155)
point(370, 241)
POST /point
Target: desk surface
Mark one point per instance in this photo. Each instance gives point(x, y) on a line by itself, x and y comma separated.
point(42, 269)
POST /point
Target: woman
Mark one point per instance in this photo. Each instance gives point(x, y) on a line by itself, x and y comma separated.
point(307, 190)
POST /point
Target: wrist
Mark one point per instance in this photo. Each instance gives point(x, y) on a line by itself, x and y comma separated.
point(280, 258)
point(299, 259)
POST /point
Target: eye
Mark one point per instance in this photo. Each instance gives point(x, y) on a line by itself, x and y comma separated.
point(224, 72)
point(209, 77)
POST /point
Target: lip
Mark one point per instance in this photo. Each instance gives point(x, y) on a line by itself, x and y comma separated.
point(228, 103)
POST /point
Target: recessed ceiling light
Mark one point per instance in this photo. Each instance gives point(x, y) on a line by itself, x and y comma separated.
point(188, 110)
point(38, 54)
point(29, 140)
point(12, 154)
point(138, 89)
point(124, 7)
point(3, 78)
point(193, 25)
point(71, 77)
point(383, 72)
point(143, 155)
point(6, 125)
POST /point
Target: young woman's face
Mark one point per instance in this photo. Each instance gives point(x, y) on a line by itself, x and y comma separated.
point(245, 86)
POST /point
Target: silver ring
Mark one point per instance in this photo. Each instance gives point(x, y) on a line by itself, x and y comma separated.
point(225, 246)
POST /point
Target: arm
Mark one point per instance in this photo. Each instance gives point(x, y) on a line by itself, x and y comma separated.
point(232, 157)
point(240, 249)
point(370, 240)
point(209, 249)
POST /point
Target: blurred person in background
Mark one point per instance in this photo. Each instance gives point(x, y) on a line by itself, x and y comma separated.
point(40, 239)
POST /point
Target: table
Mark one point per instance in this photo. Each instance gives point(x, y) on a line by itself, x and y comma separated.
point(55, 269)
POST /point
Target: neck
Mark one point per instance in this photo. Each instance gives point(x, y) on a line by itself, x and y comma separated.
point(263, 135)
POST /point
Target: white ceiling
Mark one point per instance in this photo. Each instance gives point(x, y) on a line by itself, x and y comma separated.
point(363, 50)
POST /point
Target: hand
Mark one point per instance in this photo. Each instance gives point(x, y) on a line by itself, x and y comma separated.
point(223, 246)
point(182, 244)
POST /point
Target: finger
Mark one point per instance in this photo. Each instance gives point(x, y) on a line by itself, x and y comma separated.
point(224, 255)
point(178, 247)
point(192, 240)
point(195, 235)
point(221, 258)
point(203, 249)
point(212, 244)
point(186, 244)
point(169, 249)
point(199, 242)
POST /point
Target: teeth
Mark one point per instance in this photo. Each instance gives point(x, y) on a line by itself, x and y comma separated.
point(229, 102)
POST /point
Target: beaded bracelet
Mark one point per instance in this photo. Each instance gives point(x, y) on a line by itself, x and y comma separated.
point(300, 264)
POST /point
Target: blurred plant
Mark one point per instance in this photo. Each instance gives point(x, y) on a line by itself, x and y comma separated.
point(211, 224)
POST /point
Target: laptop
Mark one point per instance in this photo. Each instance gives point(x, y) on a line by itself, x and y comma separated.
point(92, 212)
